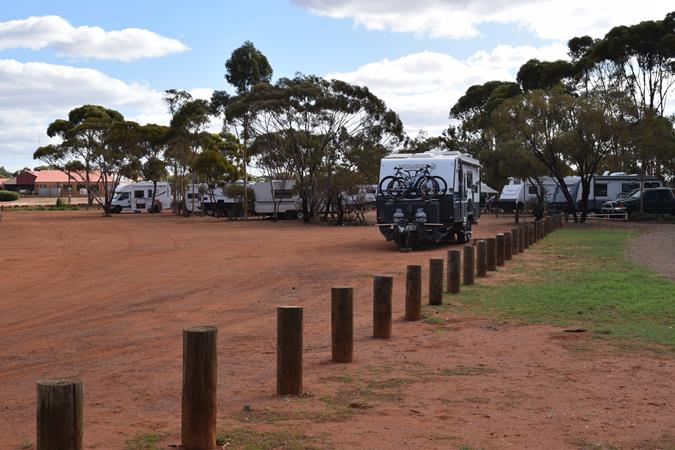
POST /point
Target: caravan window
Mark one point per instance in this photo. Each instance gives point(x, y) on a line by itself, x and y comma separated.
point(652, 184)
point(601, 189)
point(149, 193)
point(138, 194)
point(532, 190)
point(283, 193)
point(469, 180)
point(628, 187)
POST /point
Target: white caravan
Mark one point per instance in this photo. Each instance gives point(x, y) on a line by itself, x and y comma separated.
point(428, 197)
point(137, 197)
point(366, 194)
point(277, 195)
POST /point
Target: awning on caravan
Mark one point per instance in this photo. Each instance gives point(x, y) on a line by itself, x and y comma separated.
point(485, 189)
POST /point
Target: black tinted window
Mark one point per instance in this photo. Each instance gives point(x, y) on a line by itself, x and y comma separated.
point(601, 189)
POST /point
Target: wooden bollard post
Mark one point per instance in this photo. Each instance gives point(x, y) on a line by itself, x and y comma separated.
point(567, 218)
point(436, 281)
point(289, 350)
point(515, 235)
point(469, 264)
point(508, 245)
point(59, 414)
point(342, 324)
point(521, 239)
point(382, 290)
point(453, 271)
point(413, 293)
point(491, 254)
point(200, 377)
point(517, 217)
point(525, 231)
point(500, 249)
point(530, 227)
point(481, 247)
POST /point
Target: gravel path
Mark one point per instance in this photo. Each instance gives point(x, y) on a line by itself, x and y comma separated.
point(655, 248)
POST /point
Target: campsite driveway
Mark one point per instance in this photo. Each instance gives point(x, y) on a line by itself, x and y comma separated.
point(655, 248)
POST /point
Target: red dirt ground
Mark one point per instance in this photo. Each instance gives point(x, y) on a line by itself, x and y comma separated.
point(107, 299)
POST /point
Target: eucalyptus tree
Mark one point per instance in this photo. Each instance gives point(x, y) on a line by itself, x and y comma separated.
point(188, 124)
point(101, 140)
point(153, 142)
point(536, 120)
point(83, 136)
point(477, 133)
point(312, 118)
point(638, 60)
point(246, 68)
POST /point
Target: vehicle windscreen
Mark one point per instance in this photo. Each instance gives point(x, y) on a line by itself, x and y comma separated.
point(121, 196)
point(635, 194)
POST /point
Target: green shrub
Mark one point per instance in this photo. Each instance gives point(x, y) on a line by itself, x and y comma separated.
point(59, 202)
point(8, 196)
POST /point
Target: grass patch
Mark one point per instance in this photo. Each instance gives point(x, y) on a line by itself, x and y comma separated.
point(244, 438)
point(334, 413)
point(585, 281)
point(466, 371)
point(147, 441)
point(434, 320)
point(26, 444)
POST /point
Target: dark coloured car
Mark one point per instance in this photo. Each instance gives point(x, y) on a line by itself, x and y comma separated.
point(656, 201)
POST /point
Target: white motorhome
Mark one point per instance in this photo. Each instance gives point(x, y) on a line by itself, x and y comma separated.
point(428, 197)
point(277, 195)
point(137, 197)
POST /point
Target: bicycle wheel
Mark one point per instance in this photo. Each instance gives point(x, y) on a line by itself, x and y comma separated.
point(443, 186)
point(428, 188)
point(384, 183)
point(397, 188)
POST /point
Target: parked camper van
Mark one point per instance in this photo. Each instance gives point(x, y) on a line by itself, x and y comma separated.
point(137, 197)
point(277, 195)
point(428, 197)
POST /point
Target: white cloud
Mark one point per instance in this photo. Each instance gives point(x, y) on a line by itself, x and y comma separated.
point(422, 87)
point(85, 42)
point(35, 94)
point(549, 19)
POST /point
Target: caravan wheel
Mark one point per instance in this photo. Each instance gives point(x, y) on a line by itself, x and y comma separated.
point(117, 209)
point(299, 215)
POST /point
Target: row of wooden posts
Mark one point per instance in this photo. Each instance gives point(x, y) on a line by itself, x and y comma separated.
point(59, 401)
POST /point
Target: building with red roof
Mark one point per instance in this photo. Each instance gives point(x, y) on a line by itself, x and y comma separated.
point(54, 183)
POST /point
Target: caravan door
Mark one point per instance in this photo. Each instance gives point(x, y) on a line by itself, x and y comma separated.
point(140, 199)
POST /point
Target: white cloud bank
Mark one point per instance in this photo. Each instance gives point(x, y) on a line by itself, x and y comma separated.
point(85, 42)
point(422, 87)
point(35, 94)
point(549, 19)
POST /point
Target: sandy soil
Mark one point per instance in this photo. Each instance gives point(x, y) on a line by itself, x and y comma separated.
point(107, 299)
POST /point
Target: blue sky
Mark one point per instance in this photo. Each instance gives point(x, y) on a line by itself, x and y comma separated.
point(418, 56)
